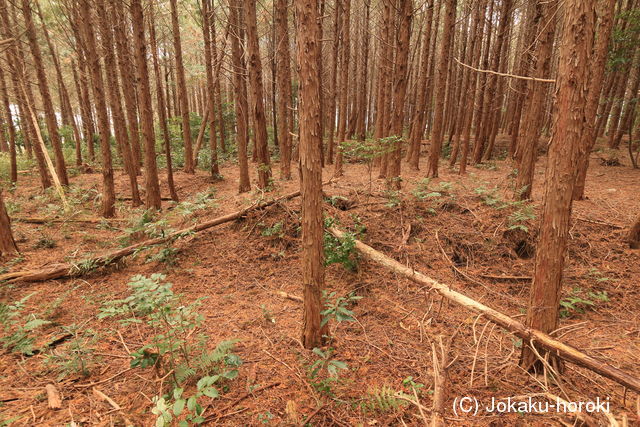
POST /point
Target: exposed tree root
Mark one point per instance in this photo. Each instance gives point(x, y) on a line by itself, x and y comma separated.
point(528, 335)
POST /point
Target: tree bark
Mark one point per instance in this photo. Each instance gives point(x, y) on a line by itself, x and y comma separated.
point(533, 110)
point(127, 78)
point(211, 93)
point(440, 87)
point(13, 174)
point(419, 119)
point(183, 96)
point(283, 82)
point(152, 185)
point(240, 89)
point(344, 84)
point(43, 84)
point(257, 96)
point(18, 77)
point(310, 173)
point(571, 93)
point(117, 114)
point(162, 108)
point(97, 86)
point(7, 244)
point(403, 38)
point(65, 102)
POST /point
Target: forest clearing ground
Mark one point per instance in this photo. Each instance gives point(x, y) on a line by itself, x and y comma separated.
point(238, 267)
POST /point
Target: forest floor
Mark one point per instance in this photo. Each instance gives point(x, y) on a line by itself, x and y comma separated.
point(463, 231)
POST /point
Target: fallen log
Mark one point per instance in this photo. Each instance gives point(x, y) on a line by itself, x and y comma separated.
point(38, 220)
point(57, 271)
point(527, 334)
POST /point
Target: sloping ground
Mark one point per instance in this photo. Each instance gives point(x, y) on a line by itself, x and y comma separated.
point(465, 234)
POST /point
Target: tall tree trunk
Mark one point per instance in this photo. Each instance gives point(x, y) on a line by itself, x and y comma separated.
point(344, 84)
point(361, 114)
point(43, 84)
point(310, 174)
point(162, 108)
point(257, 96)
point(401, 77)
point(13, 175)
point(97, 86)
point(465, 108)
point(152, 187)
point(419, 118)
point(629, 105)
point(283, 82)
point(18, 77)
point(183, 95)
point(210, 104)
point(491, 99)
point(65, 102)
point(240, 89)
point(333, 87)
point(7, 244)
point(571, 92)
point(117, 114)
point(533, 109)
point(440, 87)
point(217, 60)
point(599, 59)
point(127, 77)
point(82, 90)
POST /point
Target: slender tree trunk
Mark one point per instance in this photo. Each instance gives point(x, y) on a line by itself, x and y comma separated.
point(599, 59)
point(43, 84)
point(403, 39)
point(7, 244)
point(117, 114)
point(310, 174)
point(217, 60)
point(465, 108)
point(240, 89)
point(491, 99)
point(571, 92)
point(97, 86)
point(533, 109)
point(283, 82)
point(127, 77)
point(10, 127)
point(182, 90)
point(361, 115)
point(257, 96)
point(420, 112)
point(629, 105)
point(208, 64)
point(152, 187)
point(17, 78)
point(333, 89)
point(82, 90)
point(162, 108)
point(440, 87)
point(65, 102)
point(344, 84)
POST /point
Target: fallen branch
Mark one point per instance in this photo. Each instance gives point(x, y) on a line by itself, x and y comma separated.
point(38, 220)
point(561, 349)
point(513, 76)
point(57, 271)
